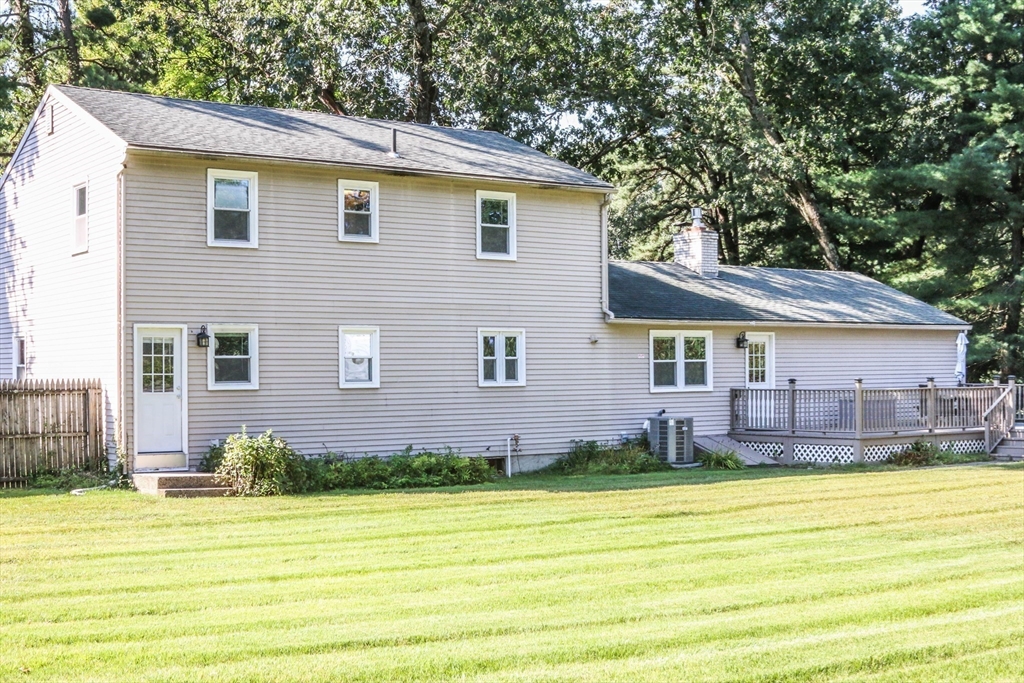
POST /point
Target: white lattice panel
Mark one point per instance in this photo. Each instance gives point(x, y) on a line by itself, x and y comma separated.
point(880, 452)
point(961, 447)
point(768, 450)
point(823, 452)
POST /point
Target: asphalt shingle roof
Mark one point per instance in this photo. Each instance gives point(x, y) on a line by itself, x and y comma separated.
point(164, 123)
point(669, 291)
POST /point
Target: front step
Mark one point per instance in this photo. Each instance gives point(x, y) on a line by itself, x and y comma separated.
point(179, 484)
point(725, 443)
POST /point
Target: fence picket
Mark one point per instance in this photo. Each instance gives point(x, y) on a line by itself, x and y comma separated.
point(49, 425)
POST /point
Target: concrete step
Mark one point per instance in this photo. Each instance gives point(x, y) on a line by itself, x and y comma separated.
point(154, 482)
point(216, 492)
point(725, 443)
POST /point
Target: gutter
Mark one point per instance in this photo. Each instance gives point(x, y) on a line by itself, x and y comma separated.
point(609, 316)
point(790, 323)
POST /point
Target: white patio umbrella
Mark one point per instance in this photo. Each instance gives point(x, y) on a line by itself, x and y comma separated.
point(961, 358)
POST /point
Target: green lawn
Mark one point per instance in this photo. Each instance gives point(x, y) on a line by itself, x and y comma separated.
point(678, 576)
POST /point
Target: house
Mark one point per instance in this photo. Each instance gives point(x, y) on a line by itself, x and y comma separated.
point(361, 285)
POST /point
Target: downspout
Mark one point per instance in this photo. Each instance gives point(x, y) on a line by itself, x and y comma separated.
point(121, 437)
point(608, 315)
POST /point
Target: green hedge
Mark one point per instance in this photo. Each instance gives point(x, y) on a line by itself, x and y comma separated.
point(591, 457)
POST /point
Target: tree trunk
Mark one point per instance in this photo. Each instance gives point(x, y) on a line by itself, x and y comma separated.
point(70, 42)
point(423, 90)
point(326, 95)
point(798, 189)
point(1014, 363)
point(28, 66)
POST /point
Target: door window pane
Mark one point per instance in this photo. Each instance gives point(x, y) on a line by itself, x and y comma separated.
point(757, 362)
point(157, 364)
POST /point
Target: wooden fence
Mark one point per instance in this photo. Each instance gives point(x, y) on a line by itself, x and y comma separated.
point(49, 425)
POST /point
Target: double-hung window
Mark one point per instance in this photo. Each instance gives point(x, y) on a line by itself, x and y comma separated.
point(19, 364)
point(232, 209)
point(360, 357)
point(502, 356)
point(680, 360)
point(233, 357)
point(357, 211)
point(496, 225)
point(80, 231)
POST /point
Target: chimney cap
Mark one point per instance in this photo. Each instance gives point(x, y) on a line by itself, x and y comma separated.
point(696, 217)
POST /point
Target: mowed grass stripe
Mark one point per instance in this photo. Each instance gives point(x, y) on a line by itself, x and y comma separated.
point(806, 576)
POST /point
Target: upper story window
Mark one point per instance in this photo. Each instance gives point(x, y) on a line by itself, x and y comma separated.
point(232, 209)
point(680, 361)
point(360, 357)
point(80, 234)
point(502, 358)
point(357, 219)
point(496, 225)
point(233, 357)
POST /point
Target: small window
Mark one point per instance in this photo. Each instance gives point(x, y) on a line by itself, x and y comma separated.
point(232, 209)
point(20, 363)
point(233, 357)
point(357, 219)
point(80, 202)
point(680, 361)
point(496, 225)
point(502, 356)
point(360, 357)
point(52, 121)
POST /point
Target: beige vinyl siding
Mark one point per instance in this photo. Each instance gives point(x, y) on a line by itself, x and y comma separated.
point(64, 305)
point(423, 286)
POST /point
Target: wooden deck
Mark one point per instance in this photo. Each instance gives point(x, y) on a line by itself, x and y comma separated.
point(858, 424)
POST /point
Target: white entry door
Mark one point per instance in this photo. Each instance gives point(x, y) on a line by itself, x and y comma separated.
point(760, 374)
point(159, 376)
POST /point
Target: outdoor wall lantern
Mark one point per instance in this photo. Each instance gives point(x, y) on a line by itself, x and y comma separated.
point(741, 341)
point(202, 337)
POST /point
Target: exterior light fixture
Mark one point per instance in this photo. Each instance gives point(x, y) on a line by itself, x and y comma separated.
point(741, 341)
point(202, 337)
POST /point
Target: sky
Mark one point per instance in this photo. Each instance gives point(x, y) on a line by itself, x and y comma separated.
point(912, 7)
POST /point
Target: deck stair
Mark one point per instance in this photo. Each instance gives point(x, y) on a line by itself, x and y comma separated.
point(1012, 447)
point(179, 485)
point(724, 443)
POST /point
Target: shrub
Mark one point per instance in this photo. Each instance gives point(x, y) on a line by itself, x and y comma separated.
point(591, 457)
point(261, 465)
point(917, 455)
point(405, 470)
point(720, 460)
point(212, 458)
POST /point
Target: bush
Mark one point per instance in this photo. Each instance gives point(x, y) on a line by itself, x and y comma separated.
point(918, 455)
point(591, 457)
point(212, 458)
point(261, 465)
point(720, 460)
point(403, 470)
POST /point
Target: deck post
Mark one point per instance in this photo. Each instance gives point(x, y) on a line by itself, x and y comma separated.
point(858, 420)
point(792, 406)
point(931, 405)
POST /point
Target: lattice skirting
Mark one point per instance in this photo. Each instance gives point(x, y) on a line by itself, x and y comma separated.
point(960, 447)
point(822, 452)
point(768, 450)
point(880, 452)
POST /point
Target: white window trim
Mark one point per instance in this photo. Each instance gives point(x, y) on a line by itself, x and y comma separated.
point(511, 197)
point(374, 349)
point(489, 331)
point(75, 247)
point(374, 188)
point(254, 358)
point(769, 361)
point(679, 334)
point(254, 210)
point(17, 361)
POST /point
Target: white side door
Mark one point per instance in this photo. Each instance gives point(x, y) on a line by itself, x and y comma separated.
point(760, 374)
point(159, 398)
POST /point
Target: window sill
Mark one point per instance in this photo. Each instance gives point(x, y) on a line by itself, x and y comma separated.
point(373, 239)
point(232, 244)
point(682, 390)
point(360, 385)
point(499, 385)
point(79, 252)
point(487, 256)
point(227, 386)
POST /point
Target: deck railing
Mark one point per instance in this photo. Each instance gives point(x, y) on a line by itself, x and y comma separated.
point(1019, 416)
point(861, 411)
point(999, 418)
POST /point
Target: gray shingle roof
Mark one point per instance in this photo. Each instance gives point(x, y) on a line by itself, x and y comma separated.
point(165, 123)
point(669, 291)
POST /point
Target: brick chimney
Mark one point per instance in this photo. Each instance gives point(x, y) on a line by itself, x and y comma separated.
point(696, 247)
